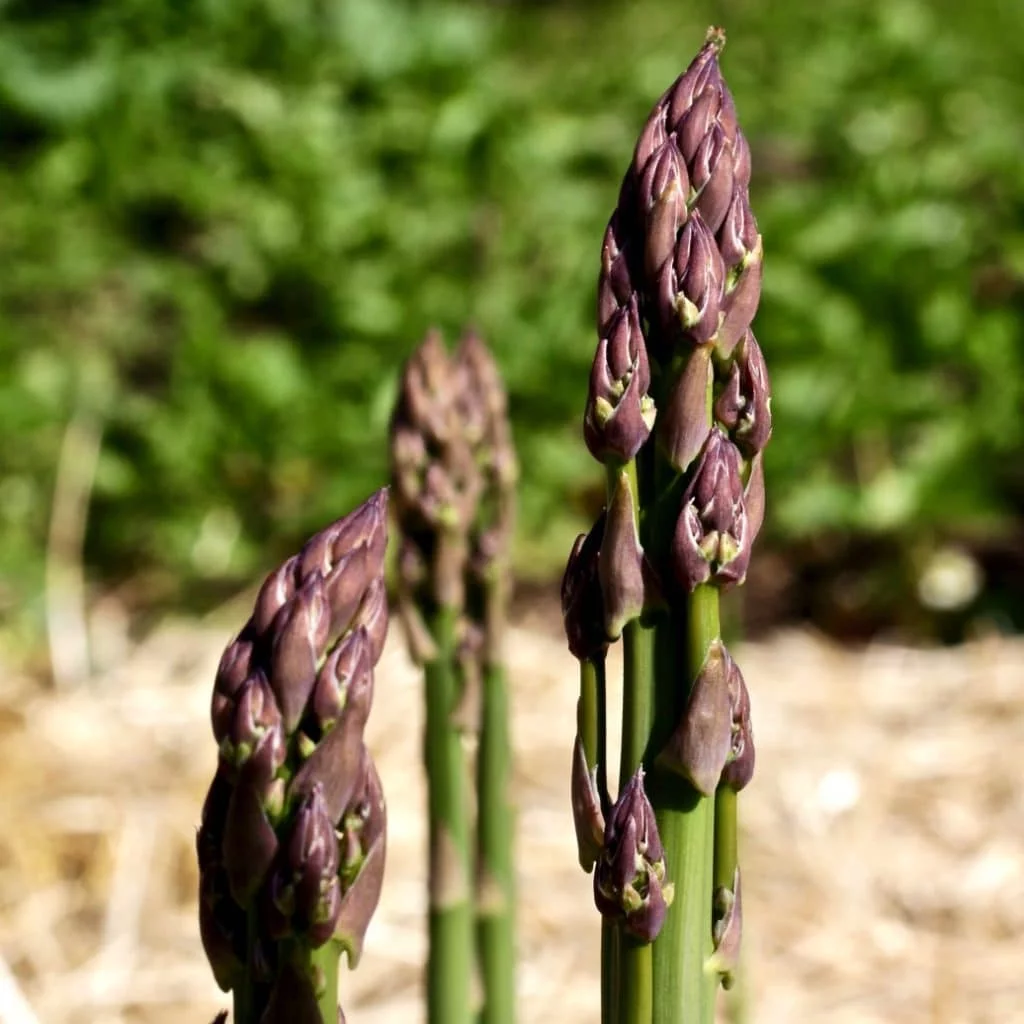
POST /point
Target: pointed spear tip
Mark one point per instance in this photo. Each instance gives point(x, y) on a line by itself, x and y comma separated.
point(715, 38)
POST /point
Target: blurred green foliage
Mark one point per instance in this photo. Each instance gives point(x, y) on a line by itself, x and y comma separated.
point(224, 223)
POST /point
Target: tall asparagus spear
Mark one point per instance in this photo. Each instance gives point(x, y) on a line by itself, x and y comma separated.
point(678, 412)
point(292, 842)
point(453, 471)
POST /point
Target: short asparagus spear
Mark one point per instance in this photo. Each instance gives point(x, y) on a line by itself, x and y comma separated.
point(292, 842)
point(453, 470)
point(679, 413)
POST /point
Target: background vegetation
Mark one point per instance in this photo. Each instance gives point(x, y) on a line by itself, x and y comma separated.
point(224, 223)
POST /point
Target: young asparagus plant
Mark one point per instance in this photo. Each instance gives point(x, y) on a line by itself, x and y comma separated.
point(292, 842)
point(678, 412)
point(453, 470)
point(488, 579)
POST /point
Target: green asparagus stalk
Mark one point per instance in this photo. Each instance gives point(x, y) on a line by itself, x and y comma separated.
point(488, 581)
point(454, 471)
point(436, 486)
point(495, 890)
point(450, 967)
point(678, 412)
point(292, 842)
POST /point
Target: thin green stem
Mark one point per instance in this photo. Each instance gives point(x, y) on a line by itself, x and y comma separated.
point(726, 842)
point(591, 727)
point(635, 970)
point(637, 691)
point(450, 962)
point(587, 712)
point(725, 837)
point(602, 735)
point(638, 651)
point(726, 860)
point(609, 971)
point(495, 875)
point(591, 724)
point(324, 962)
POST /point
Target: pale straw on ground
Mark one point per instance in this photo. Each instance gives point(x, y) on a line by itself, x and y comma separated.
point(883, 842)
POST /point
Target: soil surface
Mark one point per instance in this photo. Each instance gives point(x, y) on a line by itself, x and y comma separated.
point(882, 845)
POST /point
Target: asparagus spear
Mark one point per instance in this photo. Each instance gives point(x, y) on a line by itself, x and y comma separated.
point(292, 841)
point(678, 412)
point(488, 579)
point(453, 469)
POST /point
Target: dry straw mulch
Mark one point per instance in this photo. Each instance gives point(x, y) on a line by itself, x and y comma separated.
point(883, 843)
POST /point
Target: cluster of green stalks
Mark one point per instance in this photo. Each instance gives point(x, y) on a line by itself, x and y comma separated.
point(678, 412)
point(453, 480)
point(291, 847)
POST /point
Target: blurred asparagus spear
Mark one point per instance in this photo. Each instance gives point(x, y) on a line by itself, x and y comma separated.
point(678, 412)
point(488, 582)
point(453, 470)
point(292, 842)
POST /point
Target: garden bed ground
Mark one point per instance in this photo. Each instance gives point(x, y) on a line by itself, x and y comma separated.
point(883, 844)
